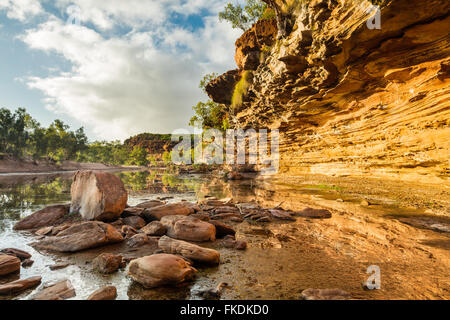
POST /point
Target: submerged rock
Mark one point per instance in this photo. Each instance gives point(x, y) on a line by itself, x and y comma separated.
point(107, 263)
point(98, 195)
point(22, 255)
point(150, 204)
point(313, 213)
point(189, 250)
point(58, 266)
point(189, 228)
point(9, 264)
point(27, 263)
point(105, 293)
point(325, 294)
point(281, 214)
point(231, 243)
point(154, 228)
point(59, 291)
point(157, 213)
point(138, 240)
point(160, 269)
point(19, 285)
point(43, 218)
point(222, 229)
point(80, 237)
point(128, 231)
point(134, 221)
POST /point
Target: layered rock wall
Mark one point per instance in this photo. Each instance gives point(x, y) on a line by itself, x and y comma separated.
point(350, 100)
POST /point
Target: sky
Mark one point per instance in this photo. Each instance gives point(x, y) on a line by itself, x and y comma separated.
point(115, 67)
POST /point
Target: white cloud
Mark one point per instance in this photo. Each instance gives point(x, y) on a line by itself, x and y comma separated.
point(145, 81)
point(136, 13)
point(21, 9)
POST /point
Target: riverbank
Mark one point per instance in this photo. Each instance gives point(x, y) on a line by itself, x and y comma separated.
point(14, 166)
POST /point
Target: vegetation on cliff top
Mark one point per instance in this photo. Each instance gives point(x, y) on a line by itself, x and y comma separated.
point(240, 90)
point(209, 114)
point(244, 17)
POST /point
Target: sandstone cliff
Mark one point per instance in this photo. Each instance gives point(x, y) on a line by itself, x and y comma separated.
point(348, 99)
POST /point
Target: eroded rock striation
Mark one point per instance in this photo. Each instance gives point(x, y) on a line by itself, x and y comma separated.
point(98, 195)
point(349, 99)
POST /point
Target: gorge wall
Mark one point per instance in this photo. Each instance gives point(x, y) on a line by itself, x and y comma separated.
point(349, 100)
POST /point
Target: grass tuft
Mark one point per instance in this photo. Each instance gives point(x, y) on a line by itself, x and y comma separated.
point(240, 90)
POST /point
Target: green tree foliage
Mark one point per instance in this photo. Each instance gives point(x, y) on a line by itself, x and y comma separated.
point(209, 114)
point(23, 137)
point(243, 17)
point(138, 157)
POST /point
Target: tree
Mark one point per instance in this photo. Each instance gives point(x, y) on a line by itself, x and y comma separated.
point(138, 157)
point(209, 114)
point(243, 17)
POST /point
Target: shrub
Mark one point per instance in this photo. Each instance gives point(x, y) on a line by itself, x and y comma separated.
point(240, 90)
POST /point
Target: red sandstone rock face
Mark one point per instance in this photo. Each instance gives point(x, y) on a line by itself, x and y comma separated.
point(221, 89)
point(352, 100)
point(250, 44)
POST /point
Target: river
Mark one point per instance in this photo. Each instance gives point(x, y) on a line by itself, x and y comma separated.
point(370, 226)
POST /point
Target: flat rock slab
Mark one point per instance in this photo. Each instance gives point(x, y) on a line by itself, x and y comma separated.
point(59, 291)
point(135, 222)
point(189, 228)
point(150, 204)
point(154, 228)
point(325, 294)
point(9, 264)
point(281, 214)
point(19, 285)
point(22, 255)
point(313, 213)
point(79, 237)
point(138, 240)
point(98, 195)
point(58, 266)
point(105, 293)
point(189, 250)
point(157, 213)
point(222, 229)
point(43, 218)
point(160, 269)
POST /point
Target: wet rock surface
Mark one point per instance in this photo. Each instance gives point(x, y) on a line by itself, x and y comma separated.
point(19, 286)
point(160, 269)
point(105, 293)
point(9, 264)
point(154, 228)
point(42, 218)
point(80, 237)
point(190, 251)
point(107, 263)
point(59, 291)
point(158, 212)
point(98, 195)
point(189, 228)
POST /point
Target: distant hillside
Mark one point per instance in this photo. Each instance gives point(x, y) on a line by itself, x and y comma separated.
point(154, 144)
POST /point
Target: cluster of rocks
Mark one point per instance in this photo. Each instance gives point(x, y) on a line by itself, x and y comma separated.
point(99, 215)
point(11, 261)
